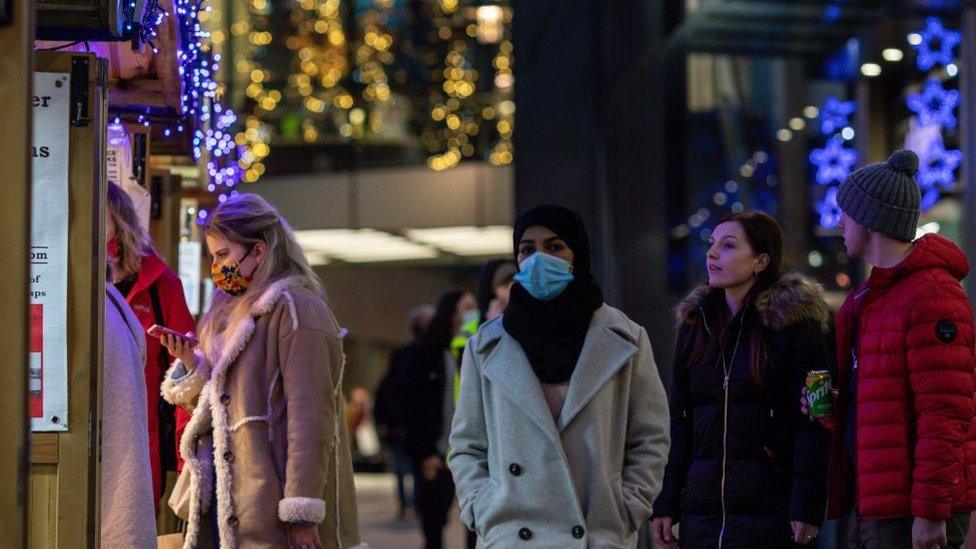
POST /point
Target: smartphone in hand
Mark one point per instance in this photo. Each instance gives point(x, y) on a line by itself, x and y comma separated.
point(157, 331)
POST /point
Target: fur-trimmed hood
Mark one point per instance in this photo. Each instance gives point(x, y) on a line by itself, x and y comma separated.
point(793, 299)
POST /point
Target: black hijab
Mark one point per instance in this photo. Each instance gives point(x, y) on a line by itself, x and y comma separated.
point(552, 332)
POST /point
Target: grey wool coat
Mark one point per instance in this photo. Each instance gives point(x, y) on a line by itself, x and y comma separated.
point(127, 513)
point(585, 479)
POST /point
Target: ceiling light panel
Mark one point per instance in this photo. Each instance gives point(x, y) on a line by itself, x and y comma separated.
point(467, 241)
point(361, 246)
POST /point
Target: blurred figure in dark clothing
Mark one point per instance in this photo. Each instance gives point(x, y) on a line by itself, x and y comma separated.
point(391, 401)
point(432, 376)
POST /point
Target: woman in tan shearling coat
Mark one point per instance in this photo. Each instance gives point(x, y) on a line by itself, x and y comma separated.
point(267, 446)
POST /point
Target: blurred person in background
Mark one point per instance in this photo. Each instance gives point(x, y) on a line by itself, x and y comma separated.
point(746, 470)
point(267, 447)
point(561, 431)
point(432, 376)
point(127, 515)
point(392, 401)
point(155, 294)
point(494, 287)
point(364, 437)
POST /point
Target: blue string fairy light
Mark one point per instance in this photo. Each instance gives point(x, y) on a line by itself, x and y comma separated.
point(934, 105)
point(213, 120)
point(834, 162)
point(152, 18)
point(935, 44)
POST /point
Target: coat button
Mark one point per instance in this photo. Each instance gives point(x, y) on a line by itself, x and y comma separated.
point(229, 457)
point(578, 532)
point(233, 520)
point(225, 399)
point(515, 469)
point(525, 534)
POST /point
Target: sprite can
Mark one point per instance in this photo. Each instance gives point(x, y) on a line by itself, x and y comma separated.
point(818, 393)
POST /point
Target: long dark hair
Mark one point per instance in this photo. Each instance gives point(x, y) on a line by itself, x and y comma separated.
point(486, 284)
point(440, 331)
point(765, 237)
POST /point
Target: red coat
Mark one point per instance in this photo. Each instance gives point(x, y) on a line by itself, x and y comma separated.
point(915, 436)
point(177, 316)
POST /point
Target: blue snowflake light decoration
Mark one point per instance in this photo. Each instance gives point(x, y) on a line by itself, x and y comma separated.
point(834, 162)
point(828, 209)
point(937, 44)
point(929, 198)
point(935, 105)
point(938, 167)
point(835, 114)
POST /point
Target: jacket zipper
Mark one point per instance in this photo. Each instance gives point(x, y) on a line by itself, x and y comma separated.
point(727, 372)
point(856, 351)
point(725, 441)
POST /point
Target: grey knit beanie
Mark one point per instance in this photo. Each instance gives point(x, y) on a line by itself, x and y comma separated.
point(884, 197)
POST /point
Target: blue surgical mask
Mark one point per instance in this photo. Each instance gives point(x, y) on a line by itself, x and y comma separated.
point(544, 276)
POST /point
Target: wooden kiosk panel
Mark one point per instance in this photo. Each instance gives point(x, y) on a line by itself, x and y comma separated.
point(63, 484)
point(15, 96)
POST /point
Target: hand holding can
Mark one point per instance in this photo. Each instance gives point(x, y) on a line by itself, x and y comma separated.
point(817, 398)
point(819, 386)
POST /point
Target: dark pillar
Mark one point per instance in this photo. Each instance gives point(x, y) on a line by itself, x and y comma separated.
point(967, 117)
point(595, 122)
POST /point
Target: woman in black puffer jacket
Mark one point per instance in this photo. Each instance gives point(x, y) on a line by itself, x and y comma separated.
point(746, 468)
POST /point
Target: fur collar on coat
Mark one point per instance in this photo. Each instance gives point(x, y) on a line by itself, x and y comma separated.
point(791, 300)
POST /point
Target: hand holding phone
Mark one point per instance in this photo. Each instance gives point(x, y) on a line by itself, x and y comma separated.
point(158, 331)
point(179, 345)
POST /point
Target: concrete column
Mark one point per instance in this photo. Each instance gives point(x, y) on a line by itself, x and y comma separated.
point(596, 131)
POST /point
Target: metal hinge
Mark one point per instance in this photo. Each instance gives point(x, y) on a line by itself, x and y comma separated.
point(101, 76)
point(80, 114)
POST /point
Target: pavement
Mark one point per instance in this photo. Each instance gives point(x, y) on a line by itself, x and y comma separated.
point(380, 525)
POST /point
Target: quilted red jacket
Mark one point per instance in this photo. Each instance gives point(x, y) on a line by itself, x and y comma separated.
point(915, 434)
point(155, 272)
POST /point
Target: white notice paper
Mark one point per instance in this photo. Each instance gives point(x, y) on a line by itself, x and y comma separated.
point(190, 274)
point(48, 362)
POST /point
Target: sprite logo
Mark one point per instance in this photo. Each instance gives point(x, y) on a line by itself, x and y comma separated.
point(818, 395)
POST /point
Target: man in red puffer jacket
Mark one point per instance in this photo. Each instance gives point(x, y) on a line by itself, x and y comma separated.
point(904, 451)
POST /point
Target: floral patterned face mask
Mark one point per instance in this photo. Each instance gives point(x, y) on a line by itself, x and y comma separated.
point(228, 277)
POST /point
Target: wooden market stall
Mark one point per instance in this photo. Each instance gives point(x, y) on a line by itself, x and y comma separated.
point(122, 103)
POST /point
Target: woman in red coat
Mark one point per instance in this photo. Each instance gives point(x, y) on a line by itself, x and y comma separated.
point(155, 294)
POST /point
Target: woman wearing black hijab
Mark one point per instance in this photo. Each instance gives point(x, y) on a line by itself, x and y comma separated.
point(561, 429)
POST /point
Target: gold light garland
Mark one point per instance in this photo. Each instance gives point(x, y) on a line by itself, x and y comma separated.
point(457, 122)
point(255, 136)
point(375, 53)
point(324, 57)
point(320, 66)
point(503, 153)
